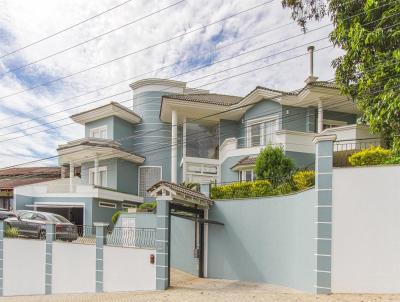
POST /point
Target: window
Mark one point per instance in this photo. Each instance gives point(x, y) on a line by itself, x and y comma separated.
point(260, 132)
point(111, 205)
point(102, 176)
point(148, 176)
point(332, 124)
point(99, 132)
point(126, 206)
point(247, 175)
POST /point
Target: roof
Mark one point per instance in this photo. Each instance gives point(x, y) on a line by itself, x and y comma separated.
point(246, 161)
point(208, 98)
point(111, 109)
point(51, 171)
point(324, 84)
point(182, 190)
point(10, 183)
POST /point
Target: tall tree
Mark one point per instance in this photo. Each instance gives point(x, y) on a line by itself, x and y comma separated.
point(369, 71)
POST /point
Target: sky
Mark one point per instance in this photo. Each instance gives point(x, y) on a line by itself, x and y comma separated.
point(34, 114)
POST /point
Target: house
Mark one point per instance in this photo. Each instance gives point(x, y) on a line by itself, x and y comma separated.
point(13, 177)
point(180, 134)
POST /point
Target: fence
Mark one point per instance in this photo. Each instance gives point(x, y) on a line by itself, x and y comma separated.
point(131, 237)
point(343, 149)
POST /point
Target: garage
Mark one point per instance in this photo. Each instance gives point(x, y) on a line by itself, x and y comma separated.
point(74, 212)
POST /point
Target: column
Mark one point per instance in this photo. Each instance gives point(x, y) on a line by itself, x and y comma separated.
point(205, 258)
point(174, 146)
point(323, 187)
point(50, 237)
point(320, 117)
point(162, 253)
point(2, 226)
point(184, 150)
point(101, 237)
point(96, 172)
point(71, 176)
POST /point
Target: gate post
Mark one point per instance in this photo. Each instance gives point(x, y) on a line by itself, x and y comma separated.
point(162, 243)
point(50, 237)
point(323, 188)
point(101, 237)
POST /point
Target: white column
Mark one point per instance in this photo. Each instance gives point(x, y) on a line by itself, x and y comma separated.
point(320, 117)
point(96, 172)
point(174, 146)
point(184, 150)
point(71, 176)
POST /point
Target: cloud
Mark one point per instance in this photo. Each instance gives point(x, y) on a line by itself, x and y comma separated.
point(28, 21)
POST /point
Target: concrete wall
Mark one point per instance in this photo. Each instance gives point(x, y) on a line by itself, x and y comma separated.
point(74, 268)
point(265, 240)
point(127, 177)
point(302, 160)
point(365, 229)
point(182, 245)
point(128, 269)
point(24, 267)
point(123, 132)
point(294, 118)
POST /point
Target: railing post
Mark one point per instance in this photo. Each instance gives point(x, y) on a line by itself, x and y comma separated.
point(50, 237)
point(162, 243)
point(2, 229)
point(323, 187)
point(101, 237)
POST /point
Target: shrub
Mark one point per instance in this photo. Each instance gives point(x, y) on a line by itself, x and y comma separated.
point(242, 190)
point(273, 164)
point(148, 206)
point(282, 189)
point(115, 217)
point(371, 156)
point(11, 232)
point(303, 179)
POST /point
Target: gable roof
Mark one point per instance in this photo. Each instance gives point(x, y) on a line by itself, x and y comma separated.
point(208, 98)
point(182, 190)
point(32, 171)
point(111, 109)
point(246, 161)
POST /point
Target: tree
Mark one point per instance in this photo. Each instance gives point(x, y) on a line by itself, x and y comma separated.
point(272, 164)
point(369, 71)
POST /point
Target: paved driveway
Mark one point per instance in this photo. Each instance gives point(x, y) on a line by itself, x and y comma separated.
point(187, 288)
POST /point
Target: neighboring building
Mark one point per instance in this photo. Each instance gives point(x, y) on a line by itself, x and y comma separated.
point(179, 134)
point(13, 177)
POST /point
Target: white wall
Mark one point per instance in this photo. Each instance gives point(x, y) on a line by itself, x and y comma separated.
point(74, 268)
point(128, 269)
point(366, 228)
point(24, 267)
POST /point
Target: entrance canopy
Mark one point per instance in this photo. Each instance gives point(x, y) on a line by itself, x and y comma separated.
point(56, 205)
point(180, 195)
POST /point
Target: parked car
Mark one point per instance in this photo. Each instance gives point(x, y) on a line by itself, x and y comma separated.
point(4, 214)
point(33, 224)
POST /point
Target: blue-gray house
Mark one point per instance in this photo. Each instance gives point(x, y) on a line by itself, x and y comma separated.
point(180, 134)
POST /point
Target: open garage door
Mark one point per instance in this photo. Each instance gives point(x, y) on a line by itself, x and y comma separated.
point(72, 212)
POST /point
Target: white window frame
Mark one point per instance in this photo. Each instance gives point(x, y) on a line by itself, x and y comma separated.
point(262, 122)
point(243, 173)
point(140, 167)
point(333, 123)
point(128, 206)
point(100, 169)
point(99, 129)
point(109, 205)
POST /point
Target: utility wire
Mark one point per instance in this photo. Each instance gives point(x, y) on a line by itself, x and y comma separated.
point(64, 30)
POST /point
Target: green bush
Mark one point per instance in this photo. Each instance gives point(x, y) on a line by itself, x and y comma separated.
point(115, 217)
point(242, 190)
point(272, 164)
point(11, 232)
point(148, 206)
point(371, 156)
point(303, 179)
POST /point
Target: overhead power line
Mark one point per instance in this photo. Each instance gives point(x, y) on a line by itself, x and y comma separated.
point(64, 29)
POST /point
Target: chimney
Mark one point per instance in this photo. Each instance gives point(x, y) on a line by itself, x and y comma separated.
point(311, 77)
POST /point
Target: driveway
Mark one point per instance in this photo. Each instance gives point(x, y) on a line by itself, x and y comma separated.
point(188, 288)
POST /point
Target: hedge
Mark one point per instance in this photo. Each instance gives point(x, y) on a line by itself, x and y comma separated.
point(374, 155)
point(258, 188)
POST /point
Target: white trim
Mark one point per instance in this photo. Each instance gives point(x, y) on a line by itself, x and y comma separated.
point(99, 129)
point(106, 204)
point(129, 206)
point(261, 121)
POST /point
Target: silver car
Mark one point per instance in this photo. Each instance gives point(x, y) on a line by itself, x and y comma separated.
point(32, 224)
